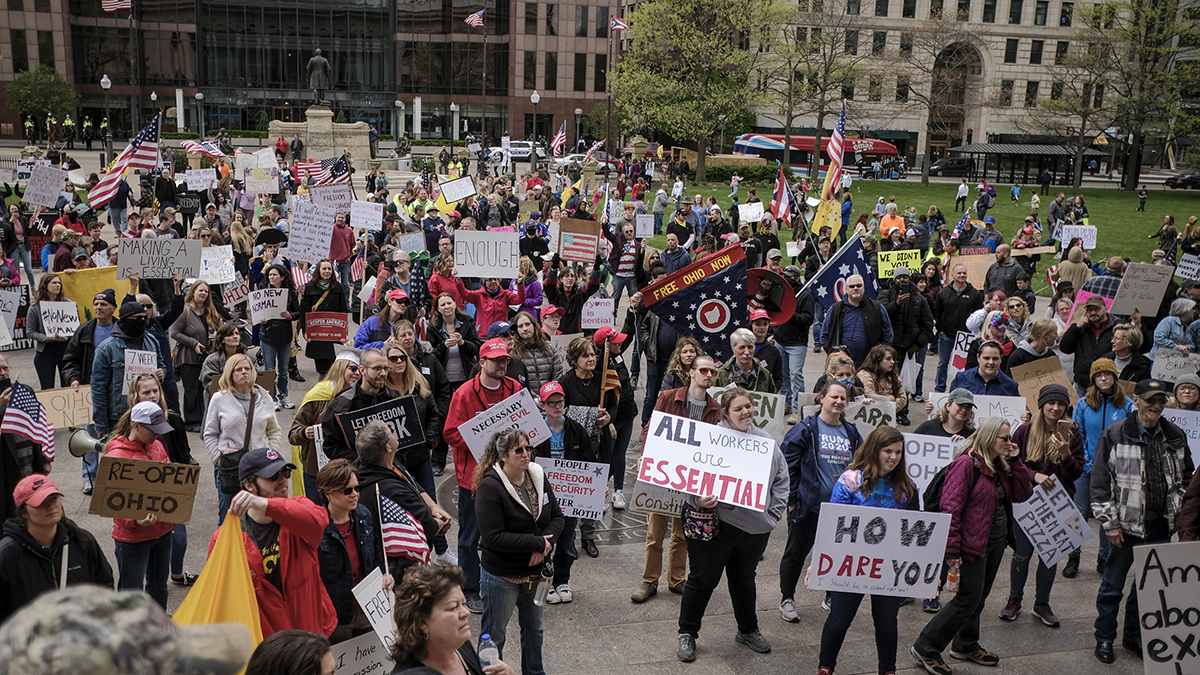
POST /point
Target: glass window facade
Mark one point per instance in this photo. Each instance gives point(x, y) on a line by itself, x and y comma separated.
point(1035, 51)
point(550, 75)
point(20, 50)
point(581, 24)
point(45, 40)
point(100, 51)
point(602, 16)
point(581, 72)
point(600, 77)
point(530, 79)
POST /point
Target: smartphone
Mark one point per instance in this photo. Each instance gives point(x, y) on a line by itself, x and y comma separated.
point(1065, 426)
point(5, 384)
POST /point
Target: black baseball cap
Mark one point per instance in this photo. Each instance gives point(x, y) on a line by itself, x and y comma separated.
point(262, 462)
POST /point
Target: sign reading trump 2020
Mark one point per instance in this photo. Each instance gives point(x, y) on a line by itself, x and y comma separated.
point(863, 549)
point(1167, 579)
point(704, 459)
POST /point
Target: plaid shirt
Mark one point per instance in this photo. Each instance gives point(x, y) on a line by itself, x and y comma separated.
point(1119, 479)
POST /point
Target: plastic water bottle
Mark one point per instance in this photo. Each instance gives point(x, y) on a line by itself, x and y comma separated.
point(952, 580)
point(543, 589)
point(489, 653)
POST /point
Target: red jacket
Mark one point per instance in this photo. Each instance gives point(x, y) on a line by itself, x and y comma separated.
point(126, 529)
point(342, 246)
point(452, 285)
point(76, 224)
point(304, 604)
point(489, 309)
point(468, 400)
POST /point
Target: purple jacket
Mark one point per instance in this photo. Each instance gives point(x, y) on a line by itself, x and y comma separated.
point(1065, 472)
point(971, 507)
point(533, 296)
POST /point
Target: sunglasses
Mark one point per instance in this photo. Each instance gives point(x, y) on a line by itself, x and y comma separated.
point(523, 450)
point(351, 490)
point(707, 371)
point(398, 359)
point(353, 368)
point(285, 472)
point(1005, 437)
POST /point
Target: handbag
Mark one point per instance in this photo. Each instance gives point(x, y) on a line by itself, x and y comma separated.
point(700, 523)
point(227, 464)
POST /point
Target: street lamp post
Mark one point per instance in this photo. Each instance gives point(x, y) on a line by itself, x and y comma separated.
point(578, 114)
point(454, 124)
point(200, 113)
point(105, 83)
point(534, 98)
point(399, 126)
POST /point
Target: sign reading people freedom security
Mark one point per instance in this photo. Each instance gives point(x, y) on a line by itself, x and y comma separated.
point(579, 487)
point(1168, 585)
point(400, 414)
point(159, 258)
point(515, 412)
point(704, 459)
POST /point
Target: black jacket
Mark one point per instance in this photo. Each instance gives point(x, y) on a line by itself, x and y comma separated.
point(81, 351)
point(27, 569)
point(508, 532)
point(1138, 369)
point(279, 331)
point(794, 331)
point(431, 422)
point(334, 302)
point(577, 446)
point(1087, 346)
point(952, 308)
point(872, 316)
point(572, 302)
point(468, 351)
point(434, 374)
point(912, 322)
point(352, 399)
point(334, 558)
point(402, 489)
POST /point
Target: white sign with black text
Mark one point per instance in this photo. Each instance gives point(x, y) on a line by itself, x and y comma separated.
point(515, 412)
point(45, 186)
point(579, 487)
point(1052, 522)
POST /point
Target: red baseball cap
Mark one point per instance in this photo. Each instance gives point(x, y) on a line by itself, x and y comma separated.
point(756, 314)
point(608, 333)
point(494, 349)
point(397, 294)
point(551, 309)
point(549, 389)
point(34, 489)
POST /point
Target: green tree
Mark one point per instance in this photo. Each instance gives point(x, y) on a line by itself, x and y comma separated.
point(42, 91)
point(690, 65)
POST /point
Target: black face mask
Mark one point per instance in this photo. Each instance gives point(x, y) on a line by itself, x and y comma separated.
point(132, 327)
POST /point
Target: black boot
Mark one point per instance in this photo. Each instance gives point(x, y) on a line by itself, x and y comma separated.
point(1072, 567)
point(294, 371)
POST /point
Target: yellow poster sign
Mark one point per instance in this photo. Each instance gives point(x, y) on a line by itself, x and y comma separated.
point(890, 260)
point(82, 286)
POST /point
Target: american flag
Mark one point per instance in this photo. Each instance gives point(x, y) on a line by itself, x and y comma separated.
point(299, 277)
point(595, 146)
point(359, 266)
point(26, 417)
point(114, 5)
point(1050, 277)
point(836, 150)
point(141, 153)
point(617, 24)
point(560, 140)
point(578, 247)
point(961, 223)
point(210, 148)
point(476, 20)
point(781, 199)
point(402, 536)
point(308, 168)
point(334, 170)
point(425, 177)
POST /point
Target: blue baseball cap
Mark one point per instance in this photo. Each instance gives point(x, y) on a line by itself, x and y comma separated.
point(498, 328)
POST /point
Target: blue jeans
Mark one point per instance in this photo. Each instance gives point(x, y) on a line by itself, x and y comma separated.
point(1083, 502)
point(343, 272)
point(468, 546)
point(818, 323)
point(1019, 571)
point(658, 218)
point(793, 364)
point(616, 465)
point(565, 553)
point(732, 191)
point(635, 360)
point(178, 548)
point(22, 255)
point(654, 376)
point(424, 476)
point(842, 609)
point(499, 599)
point(619, 284)
point(118, 219)
point(1116, 569)
point(276, 357)
point(91, 461)
point(945, 350)
point(145, 566)
point(223, 500)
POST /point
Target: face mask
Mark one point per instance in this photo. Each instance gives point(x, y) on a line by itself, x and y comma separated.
point(132, 327)
point(844, 381)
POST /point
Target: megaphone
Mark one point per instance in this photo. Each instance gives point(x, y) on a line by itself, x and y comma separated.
point(776, 296)
point(81, 443)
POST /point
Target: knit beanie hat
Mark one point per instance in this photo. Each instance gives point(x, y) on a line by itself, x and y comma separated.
point(1103, 366)
point(1054, 392)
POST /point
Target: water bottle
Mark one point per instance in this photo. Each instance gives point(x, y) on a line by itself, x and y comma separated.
point(489, 653)
point(952, 580)
point(543, 589)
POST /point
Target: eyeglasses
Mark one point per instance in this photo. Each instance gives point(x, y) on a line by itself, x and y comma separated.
point(148, 308)
point(285, 472)
point(707, 371)
point(854, 285)
point(352, 368)
point(1005, 437)
point(560, 403)
point(398, 359)
point(206, 236)
point(523, 450)
point(351, 490)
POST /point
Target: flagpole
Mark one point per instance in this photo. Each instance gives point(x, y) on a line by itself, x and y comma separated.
point(608, 130)
point(603, 379)
point(379, 510)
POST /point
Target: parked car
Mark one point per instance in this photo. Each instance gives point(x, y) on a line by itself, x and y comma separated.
point(953, 166)
point(651, 150)
point(1187, 181)
point(605, 164)
point(519, 150)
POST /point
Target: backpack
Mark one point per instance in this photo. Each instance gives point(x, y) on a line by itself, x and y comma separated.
point(989, 201)
point(931, 498)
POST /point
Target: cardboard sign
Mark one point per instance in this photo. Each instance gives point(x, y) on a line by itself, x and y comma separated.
point(1037, 250)
point(412, 242)
point(159, 258)
point(862, 549)
point(268, 303)
point(648, 498)
point(216, 265)
point(1052, 522)
point(977, 267)
point(1189, 267)
point(643, 225)
point(579, 487)
point(335, 197)
point(1170, 365)
point(311, 233)
point(361, 655)
point(750, 213)
point(1168, 593)
point(890, 260)
point(578, 240)
point(135, 488)
point(793, 248)
point(261, 180)
point(59, 318)
point(67, 408)
point(958, 357)
point(1142, 286)
point(1085, 233)
point(459, 189)
point(199, 180)
point(515, 412)
point(1188, 422)
point(768, 410)
point(400, 414)
point(138, 362)
point(1081, 298)
point(326, 326)
point(925, 455)
point(368, 215)
point(487, 254)
point(14, 308)
point(704, 459)
point(45, 186)
point(376, 605)
point(598, 313)
point(235, 293)
point(1008, 407)
point(1032, 376)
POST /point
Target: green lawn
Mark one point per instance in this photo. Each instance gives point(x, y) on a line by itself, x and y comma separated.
point(1121, 229)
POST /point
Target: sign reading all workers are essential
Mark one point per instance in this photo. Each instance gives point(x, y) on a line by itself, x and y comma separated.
point(925, 455)
point(159, 258)
point(863, 549)
point(515, 412)
point(487, 254)
point(1168, 586)
point(1052, 522)
point(579, 487)
point(135, 488)
point(704, 459)
point(400, 414)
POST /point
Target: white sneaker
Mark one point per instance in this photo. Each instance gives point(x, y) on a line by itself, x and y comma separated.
point(564, 593)
point(287, 403)
point(448, 558)
point(552, 597)
point(277, 406)
point(788, 609)
point(618, 500)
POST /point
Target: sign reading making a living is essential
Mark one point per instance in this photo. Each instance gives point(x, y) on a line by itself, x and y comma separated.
point(863, 549)
point(579, 487)
point(515, 412)
point(704, 459)
point(400, 414)
point(311, 233)
point(267, 303)
point(135, 488)
point(1143, 287)
point(216, 265)
point(336, 197)
point(458, 189)
point(45, 186)
point(159, 258)
point(1052, 522)
point(1168, 586)
point(487, 254)
point(367, 215)
point(59, 318)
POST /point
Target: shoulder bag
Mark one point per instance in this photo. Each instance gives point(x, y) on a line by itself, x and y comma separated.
point(227, 464)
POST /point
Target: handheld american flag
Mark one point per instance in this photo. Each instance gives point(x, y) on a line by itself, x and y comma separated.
point(359, 266)
point(141, 153)
point(334, 170)
point(961, 223)
point(781, 199)
point(595, 146)
point(402, 536)
point(560, 140)
point(26, 417)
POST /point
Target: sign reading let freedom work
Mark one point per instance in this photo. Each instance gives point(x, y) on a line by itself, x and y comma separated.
point(400, 414)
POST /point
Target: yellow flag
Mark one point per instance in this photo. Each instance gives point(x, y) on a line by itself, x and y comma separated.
point(829, 212)
point(444, 207)
point(83, 286)
point(225, 592)
point(566, 194)
point(660, 150)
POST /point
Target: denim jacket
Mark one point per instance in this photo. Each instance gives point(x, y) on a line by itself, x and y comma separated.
point(108, 377)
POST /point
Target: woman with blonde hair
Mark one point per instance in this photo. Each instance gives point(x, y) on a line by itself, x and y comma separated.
point(533, 287)
point(49, 349)
point(342, 375)
point(406, 379)
point(243, 244)
point(193, 333)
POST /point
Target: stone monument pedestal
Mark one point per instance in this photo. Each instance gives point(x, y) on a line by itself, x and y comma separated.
point(323, 138)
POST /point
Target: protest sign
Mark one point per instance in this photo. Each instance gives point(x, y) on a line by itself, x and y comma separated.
point(1188, 422)
point(216, 265)
point(750, 213)
point(1170, 365)
point(412, 242)
point(578, 240)
point(1085, 233)
point(376, 605)
point(14, 307)
point(100, 258)
point(1036, 250)
point(135, 488)
point(890, 260)
point(59, 318)
point(704, 459)
point(768, 410)
point(368, 289)
point(474, 147)
point(368, 215)
point(326, 326)
point(243, 161)
point(268, 303)
point(515, 412)
point(67, 408)
point(400, 414)
point(1081, 298)
point(598, 313)
point(82, 286)
point(643, 225)
point(10, 305)
point(199, 180)
point(336, 197)
point(487, 254)
point(975, 250)
point(1142, 286)
point(1032, 376)
point(159, 258)
point(561, 342)
point(25, 168)
point(1052, 522)
point(958, 357)
point(45, 185)
point(188, 205)
point(261, 180)
point(458, 189)
point(319, 446)
point(865, 417)
point(362, 655)
point(863, 549)
point(616, 210)
point(235, 292)
point(977, 267)
point(793, 248)
point(579, 487)
point(924, 455)
point(6, 338)
point(1168, 587)
point(311, 233)
point(648, 498)
point(506, 142)
point(1189, 266)
point(138, 362)
point(1008, 407)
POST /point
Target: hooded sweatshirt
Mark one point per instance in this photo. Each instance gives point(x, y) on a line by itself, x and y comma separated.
point(28, 569)
point(1025, 353)
point(1073, 269)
